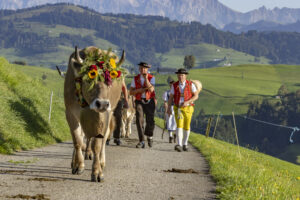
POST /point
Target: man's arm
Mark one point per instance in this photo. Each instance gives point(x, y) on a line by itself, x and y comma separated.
point(188, 102)
point(134, 91)
point(149, 86)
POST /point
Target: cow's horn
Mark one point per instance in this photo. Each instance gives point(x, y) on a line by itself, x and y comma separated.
point(77, 56)
point(122, 58)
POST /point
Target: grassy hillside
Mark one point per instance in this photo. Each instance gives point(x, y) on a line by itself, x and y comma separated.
point(228, 89)
point(248, 175)
point(24, 108)
point(207, 55)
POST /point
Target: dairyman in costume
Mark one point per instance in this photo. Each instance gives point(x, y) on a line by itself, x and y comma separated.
point(142, 86)
point(183, 94)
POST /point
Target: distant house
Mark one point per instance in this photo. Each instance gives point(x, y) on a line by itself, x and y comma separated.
point(217, 59)
point(227, 64)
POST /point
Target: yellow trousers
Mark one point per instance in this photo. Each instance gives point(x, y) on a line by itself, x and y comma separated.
point(183, 116)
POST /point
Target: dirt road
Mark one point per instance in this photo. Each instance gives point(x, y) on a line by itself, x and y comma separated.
point(130, 173)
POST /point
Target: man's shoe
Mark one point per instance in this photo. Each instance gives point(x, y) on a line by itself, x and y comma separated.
point(178, 148)
point(117, 141)
point(185, 148)
point(150, 142)
point(107, 142)
point(140, 145)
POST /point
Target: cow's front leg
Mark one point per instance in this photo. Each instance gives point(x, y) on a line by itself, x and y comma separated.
point(102, 154)
point(110, 127)
point(77, 163)
point(97, 173)
point(78, 160)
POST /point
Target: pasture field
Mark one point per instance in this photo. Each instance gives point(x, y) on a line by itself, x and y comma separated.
point(228, 89)
point(24, 109)
point(248, 175)
point(61, 56)
point(207, 55)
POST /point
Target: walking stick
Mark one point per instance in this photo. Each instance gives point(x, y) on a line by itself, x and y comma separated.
point(162, 134)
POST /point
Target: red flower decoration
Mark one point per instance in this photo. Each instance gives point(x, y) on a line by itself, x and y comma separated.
point(93, 67)
point(107, 78)
point(119, 74)
point(100, 64)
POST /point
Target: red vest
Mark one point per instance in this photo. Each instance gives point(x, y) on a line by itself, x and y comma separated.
point(138, 85)
point(187, 93)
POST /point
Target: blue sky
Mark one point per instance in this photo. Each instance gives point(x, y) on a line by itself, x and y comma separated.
point(247, 5)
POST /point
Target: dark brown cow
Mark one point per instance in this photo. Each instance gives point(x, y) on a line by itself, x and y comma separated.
point(89, 108)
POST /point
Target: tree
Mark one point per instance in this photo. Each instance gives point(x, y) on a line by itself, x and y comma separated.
point(282, 91)
point(189, 61)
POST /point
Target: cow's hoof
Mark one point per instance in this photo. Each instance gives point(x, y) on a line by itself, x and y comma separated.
point(97, 178)
point(77, 171)
point(74, 171)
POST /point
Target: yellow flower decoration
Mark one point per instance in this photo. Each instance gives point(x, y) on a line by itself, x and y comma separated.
point(93, 74)
point(113, 74)
point(112, 63)
point(298, 178)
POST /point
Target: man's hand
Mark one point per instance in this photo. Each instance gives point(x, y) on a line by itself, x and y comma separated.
point(184, 104)
point(145, 76)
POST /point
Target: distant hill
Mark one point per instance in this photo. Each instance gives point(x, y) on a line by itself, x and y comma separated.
point(205, 11)
point(49, 33)
point(263, 26)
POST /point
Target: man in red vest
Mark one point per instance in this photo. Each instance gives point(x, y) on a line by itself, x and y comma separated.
point(183, 93)
point(142, 86)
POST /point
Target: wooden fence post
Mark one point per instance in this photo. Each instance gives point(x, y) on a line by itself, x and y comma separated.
point(236, 136)
point(50, 107)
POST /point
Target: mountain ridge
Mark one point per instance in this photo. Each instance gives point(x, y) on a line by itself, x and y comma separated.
point(205, 11)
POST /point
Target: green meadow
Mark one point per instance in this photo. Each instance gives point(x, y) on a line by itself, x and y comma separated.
point(207, 55)
point(228, 89)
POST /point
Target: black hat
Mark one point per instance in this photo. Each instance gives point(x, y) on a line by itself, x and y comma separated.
point(143, 64)
point(181, 71)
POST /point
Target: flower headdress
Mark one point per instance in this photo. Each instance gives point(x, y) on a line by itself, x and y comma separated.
point(101, 66)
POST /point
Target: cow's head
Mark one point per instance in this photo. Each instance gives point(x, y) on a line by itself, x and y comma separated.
point(98, 75)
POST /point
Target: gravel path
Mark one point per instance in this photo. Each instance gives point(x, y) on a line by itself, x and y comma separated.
point(130, 173)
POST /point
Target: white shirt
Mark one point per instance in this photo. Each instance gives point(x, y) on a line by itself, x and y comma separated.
point(166, 96)
point(152, 82)
point(181, 87)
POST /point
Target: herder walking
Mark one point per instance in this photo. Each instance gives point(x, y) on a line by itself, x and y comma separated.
point(170, 119)
point(142, 86)
point(183, 94)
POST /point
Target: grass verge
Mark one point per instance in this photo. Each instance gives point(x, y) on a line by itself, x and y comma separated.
point(248, 175)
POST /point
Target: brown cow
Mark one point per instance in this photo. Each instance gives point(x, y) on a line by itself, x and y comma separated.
point(89, 108)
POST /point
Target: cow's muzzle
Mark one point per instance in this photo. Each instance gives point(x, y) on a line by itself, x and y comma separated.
point(100, 105)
